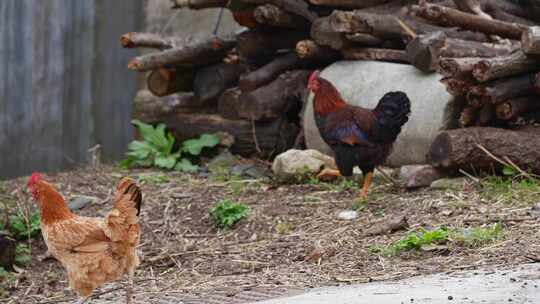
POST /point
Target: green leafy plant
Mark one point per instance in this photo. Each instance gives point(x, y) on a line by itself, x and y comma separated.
point(22, 254)
point(477, 236)
point(22, 228)
point(156, 149)
point(424, 239)
point(226, 213)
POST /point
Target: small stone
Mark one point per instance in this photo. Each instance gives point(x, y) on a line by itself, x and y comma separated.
point(81, 201)
point(294, 164)
point(450, 298)
point(348, 215)
point(415, 176)
point(448, 183)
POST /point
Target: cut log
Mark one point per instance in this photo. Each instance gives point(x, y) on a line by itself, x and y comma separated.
point(530, 40)
point(194, 54)
point(452, 17)
point(424, 51)
point(468, 116)
point(259, 46)
point(269, 72)
point(507, 17)
point(456, 87)
point(500, 90)
point(365, 39)
point(458, 149)
point(149, 40)
point(486, 115)
point(471, 6)
point(229, 103)
point(271, 101)
point(150, 108)
point(459, 68)
point(297, 7)
point(211, 81)
point(198, 4)
point(349, 3)
point(513, 108)
point(324, 34)
point(272, 15)
point(387, 26)
point(264, 139)
point(165, 81)
point(308, 49)
point(375, 54)
point(504, 66)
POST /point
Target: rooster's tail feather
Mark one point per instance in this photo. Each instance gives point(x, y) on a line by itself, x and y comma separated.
point(392, 113)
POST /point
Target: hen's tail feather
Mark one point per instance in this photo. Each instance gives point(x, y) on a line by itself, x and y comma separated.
point(392, 113)
point(128, 186)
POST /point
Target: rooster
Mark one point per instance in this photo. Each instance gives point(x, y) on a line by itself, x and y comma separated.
point(93, 250)
point(358, 136)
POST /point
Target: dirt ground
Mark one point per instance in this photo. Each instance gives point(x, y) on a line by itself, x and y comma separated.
point(182, 253)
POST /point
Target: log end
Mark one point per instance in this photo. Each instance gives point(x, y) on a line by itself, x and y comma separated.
point(133, 64)
point(126, 42)
point(440, 151)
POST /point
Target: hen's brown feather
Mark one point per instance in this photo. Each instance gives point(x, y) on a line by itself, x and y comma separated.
point(93, 250)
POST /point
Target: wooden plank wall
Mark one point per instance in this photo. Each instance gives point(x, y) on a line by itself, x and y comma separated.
point(64, 86)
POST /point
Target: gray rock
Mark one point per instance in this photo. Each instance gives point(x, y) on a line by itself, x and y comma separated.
point(448, 183)
point(348, 215)
point(415, 176)
point(363, 83)
point(297, 163)
point(81, 201)
point(249, 171)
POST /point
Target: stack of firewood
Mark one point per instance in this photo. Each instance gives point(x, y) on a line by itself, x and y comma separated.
point(251, 84)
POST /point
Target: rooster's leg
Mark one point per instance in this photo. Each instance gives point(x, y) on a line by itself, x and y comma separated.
point(129, 289)
point(328, 174)
point(367, 182)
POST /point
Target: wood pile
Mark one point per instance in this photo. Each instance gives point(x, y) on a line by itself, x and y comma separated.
point(252, 84)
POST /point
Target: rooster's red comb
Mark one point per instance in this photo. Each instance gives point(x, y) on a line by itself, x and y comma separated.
point(34, 178)
point(314, 75)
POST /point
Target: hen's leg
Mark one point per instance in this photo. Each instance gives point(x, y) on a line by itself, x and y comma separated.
point(328, 174)
point(129, 289)
point(367, 182)
point(81, 300)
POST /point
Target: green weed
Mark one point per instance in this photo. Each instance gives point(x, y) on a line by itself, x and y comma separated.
point(424, 239)
point(509, 190)
point(226, 213)
point(22, 254)
point(156, 149)
point(20, 228)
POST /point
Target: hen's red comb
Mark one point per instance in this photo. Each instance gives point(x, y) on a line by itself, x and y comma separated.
point(34, 178)
point(314, 75)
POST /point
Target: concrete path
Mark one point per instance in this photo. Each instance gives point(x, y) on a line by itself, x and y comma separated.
point(519, 284)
